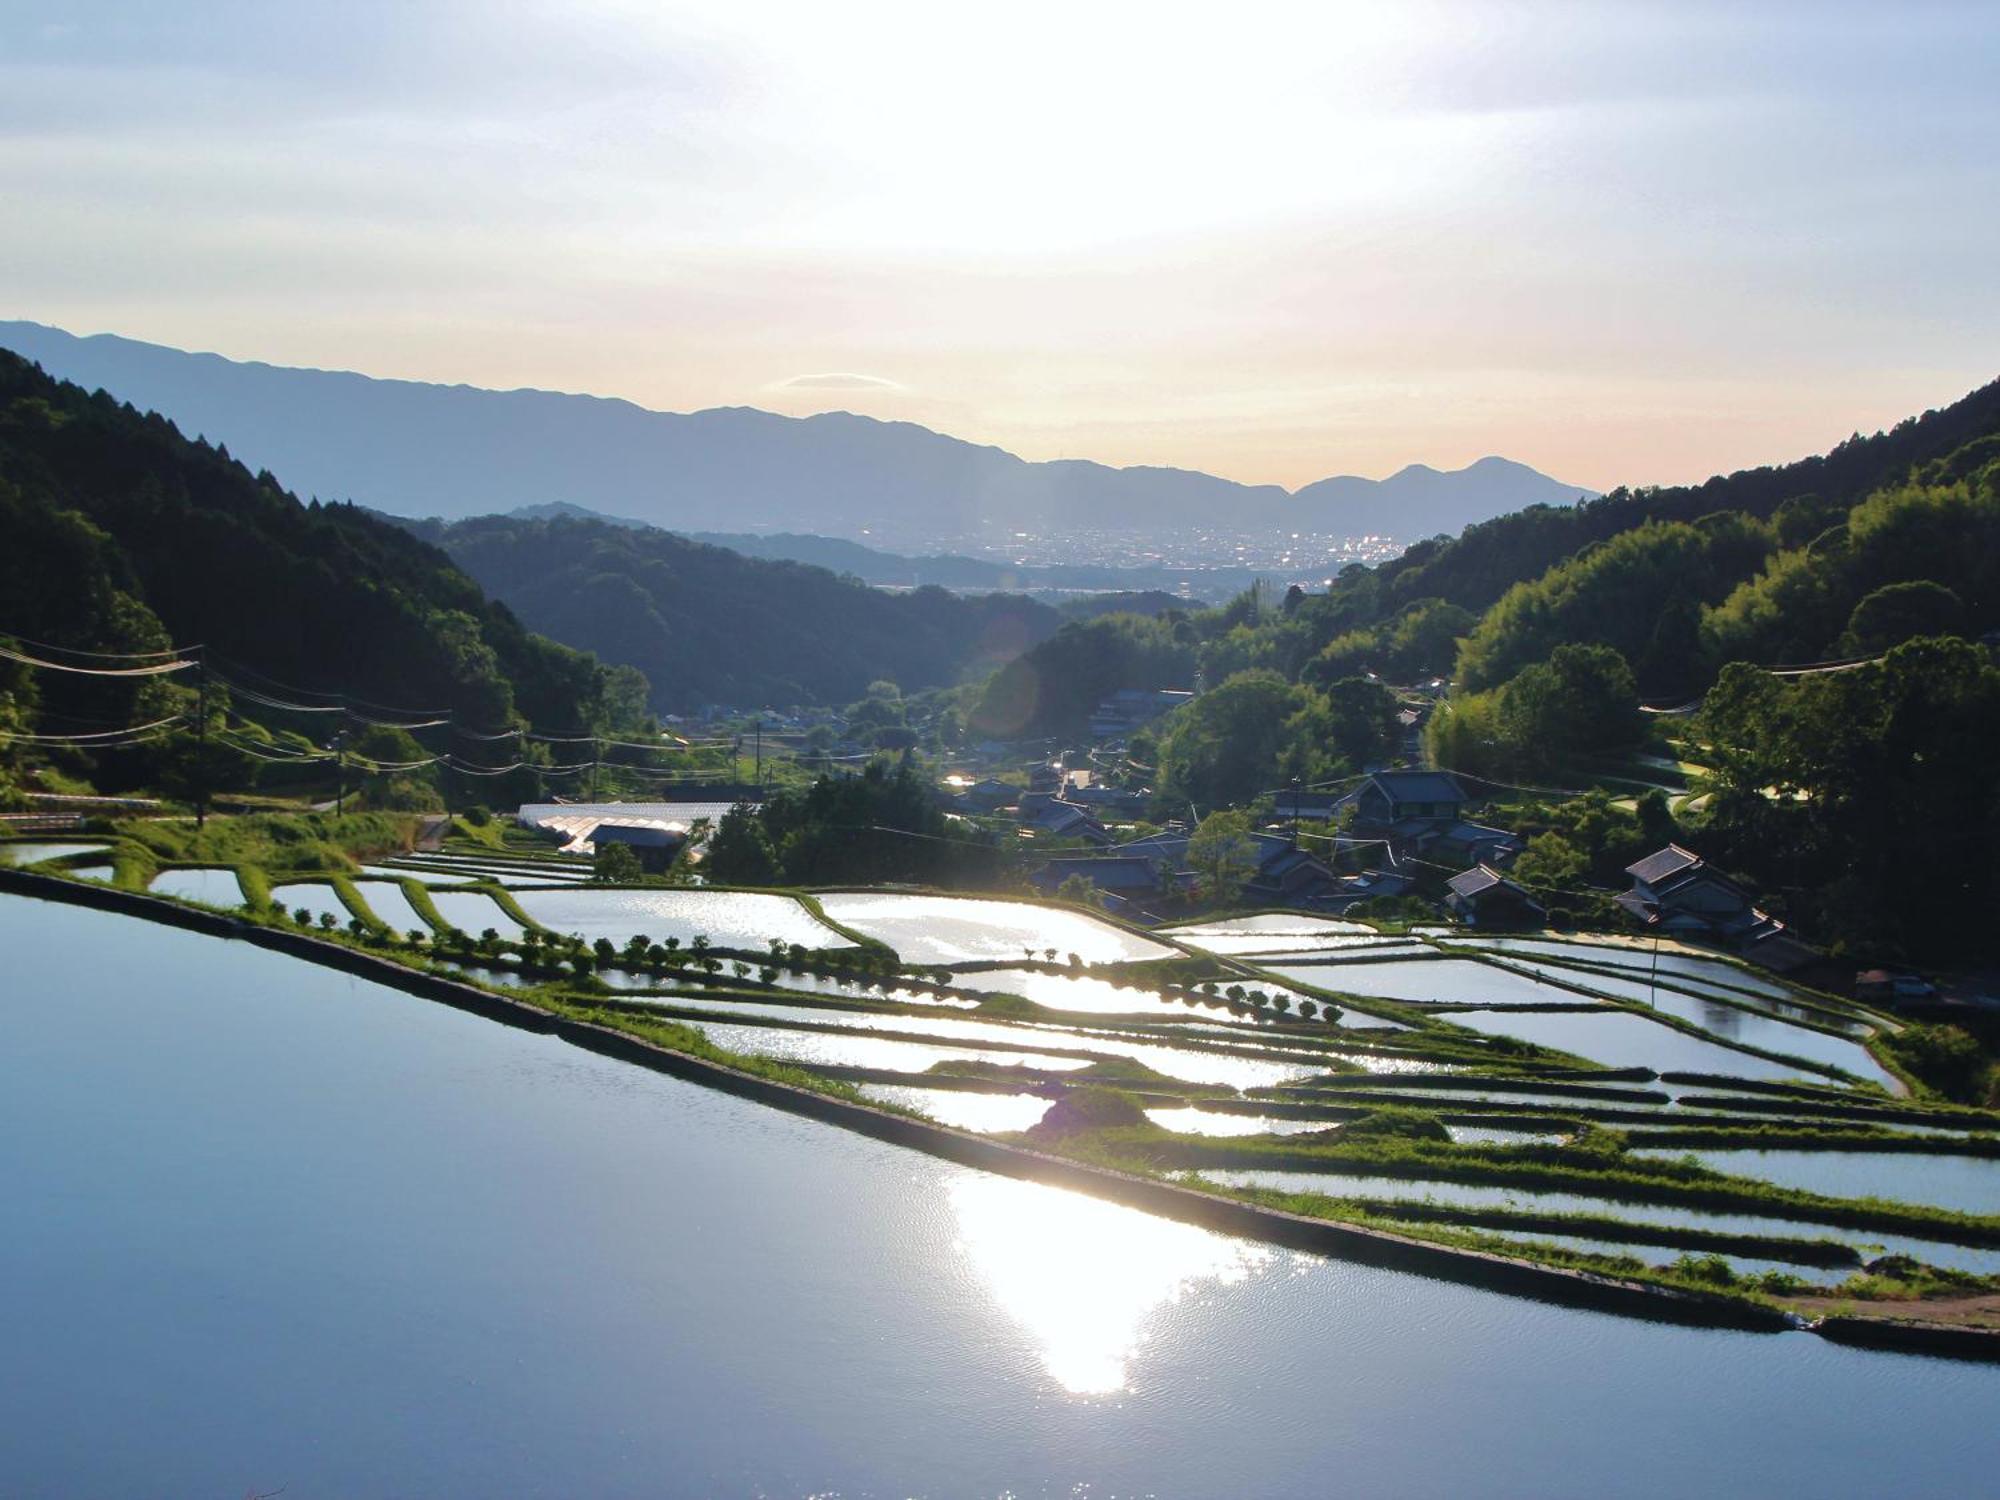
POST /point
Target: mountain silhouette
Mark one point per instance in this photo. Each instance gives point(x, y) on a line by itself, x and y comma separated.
point(452, 451)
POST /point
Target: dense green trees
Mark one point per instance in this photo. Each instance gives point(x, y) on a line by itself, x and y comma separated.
point(738, 852)
point(1476, 568)
point(1917, 559)
point(1232, 743)
point(1053, 687)
point(1582, 701)
point(1223, 856)
point(123, 535)
point(706, 625)
point(1641, 592)
point(1579, 703)
point(882, 825)
point(1866, 798)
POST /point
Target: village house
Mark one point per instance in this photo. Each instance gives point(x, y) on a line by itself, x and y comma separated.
point(1051, 817)
point(1389, 803)
point(1304, 807)
point(1678, 893)
point(1483, 897)
point(1463, 843)
point(1131, 878)
point(986, 795)
point(1284, 875)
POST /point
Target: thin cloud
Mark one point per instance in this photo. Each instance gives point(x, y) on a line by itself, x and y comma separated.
point(837, 380)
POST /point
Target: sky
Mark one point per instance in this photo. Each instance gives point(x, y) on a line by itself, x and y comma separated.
point(1622, 243)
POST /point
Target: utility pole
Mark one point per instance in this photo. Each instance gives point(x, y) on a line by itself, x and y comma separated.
point(760, 755)
point(596, 750)
point(340, 771)
point(201, 739)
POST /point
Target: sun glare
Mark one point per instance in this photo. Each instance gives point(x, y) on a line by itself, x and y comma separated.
point(1086, 1280)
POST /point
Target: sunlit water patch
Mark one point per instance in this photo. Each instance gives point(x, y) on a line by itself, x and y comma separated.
point(728, 919)
point(217, 888)
point(1279, 923)
point(1086, 1280)
point(830, 1049)
point(1438, 981)
point(959, 929)
point(1187, 1065)
point(1083, 993)
point(1249, 943)
point(852, 989)
point(1487, 1135)
point(945, 1028)
point(962, 1109)
point(1212, 1122)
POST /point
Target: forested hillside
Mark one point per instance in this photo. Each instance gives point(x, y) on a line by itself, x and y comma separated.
point(1475, 568)
point(124, 536)
point(1855, 800)
point(707, 625)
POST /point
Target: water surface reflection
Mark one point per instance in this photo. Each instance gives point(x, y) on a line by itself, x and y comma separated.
point(1084, 1278)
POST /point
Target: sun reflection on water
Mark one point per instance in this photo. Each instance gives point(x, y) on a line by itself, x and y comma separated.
point(1082, 1277)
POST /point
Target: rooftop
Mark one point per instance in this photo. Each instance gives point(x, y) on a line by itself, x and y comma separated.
point(1421, 786)
point(1662, 863)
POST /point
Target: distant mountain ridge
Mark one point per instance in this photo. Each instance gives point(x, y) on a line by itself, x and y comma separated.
point(417, 449)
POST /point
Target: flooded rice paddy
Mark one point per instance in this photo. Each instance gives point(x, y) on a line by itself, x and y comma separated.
point(473, 912)
point(958, 929)
point(217, 888)
point(894, 1324)
point(1969, 1184)
point(1619, 1039)
point(314, 896)
point(728, 919)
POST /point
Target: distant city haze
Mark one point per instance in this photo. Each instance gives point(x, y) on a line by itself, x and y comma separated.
point(1621, 244)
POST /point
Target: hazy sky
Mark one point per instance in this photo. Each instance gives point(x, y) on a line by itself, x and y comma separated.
point(1621, 243)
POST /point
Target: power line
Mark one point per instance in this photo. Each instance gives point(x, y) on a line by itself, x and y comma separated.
point(99, 738)
point(156, 670)
point(105, 655)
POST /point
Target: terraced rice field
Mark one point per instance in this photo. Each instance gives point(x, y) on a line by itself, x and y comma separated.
point(958, 929)
point(315, 896)
point(728, 919)
point(472, 912)
point(218, 888)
